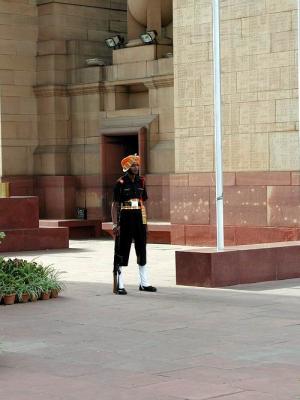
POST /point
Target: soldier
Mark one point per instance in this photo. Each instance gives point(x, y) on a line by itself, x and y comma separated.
point(130, 223)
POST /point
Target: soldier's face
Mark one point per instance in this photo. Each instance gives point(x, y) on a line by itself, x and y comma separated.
point(134, 169)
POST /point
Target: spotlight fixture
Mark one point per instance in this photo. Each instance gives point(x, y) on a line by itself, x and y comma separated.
point(115, 42)
point(149, 37)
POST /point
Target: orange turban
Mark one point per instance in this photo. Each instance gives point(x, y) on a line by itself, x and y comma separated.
point(129, 160)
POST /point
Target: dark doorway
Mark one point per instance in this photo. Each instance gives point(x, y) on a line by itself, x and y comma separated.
point(114, 148)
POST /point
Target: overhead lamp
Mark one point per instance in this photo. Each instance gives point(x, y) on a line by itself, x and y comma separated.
point(115, 42)
point(149, 37)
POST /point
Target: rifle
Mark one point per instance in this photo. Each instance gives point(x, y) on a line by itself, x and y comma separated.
point(117, 264)
point(117, 259)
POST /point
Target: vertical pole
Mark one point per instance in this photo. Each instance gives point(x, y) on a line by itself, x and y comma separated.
point(218, 125)
point(299, 71)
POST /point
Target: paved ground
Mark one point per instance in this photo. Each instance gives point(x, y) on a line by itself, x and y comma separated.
point(240, 343)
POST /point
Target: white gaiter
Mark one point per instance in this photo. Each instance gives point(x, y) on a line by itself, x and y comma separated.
point(121, 279)
point(143, 269)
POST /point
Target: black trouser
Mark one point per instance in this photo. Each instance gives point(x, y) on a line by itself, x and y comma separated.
point(131, 229)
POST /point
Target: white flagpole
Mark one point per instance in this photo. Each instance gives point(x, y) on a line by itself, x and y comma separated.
point(218, 125)
point(299, 71)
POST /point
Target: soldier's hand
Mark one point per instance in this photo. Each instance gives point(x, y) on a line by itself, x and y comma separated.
point(116, 230)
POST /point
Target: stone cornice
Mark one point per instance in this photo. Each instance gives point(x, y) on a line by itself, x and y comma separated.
point(150, 82)
point(160, 81)
point(109, 88)
point(85, 3)
point(86, 88)
point(50, 91)
point(100, 87)
point(68, 90)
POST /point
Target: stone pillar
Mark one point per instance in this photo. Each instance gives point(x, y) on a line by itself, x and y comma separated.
point(51, 156)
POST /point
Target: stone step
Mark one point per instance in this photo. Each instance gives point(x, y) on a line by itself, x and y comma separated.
point(78, 228)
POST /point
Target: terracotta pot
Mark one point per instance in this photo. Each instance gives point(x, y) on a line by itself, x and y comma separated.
point(25, 297)
point(45, 296)
point(9, 299)
point(54, 293)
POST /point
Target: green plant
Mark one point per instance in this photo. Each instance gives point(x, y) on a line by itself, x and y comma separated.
point(33, 291)
point(2, 236)
point(21, 289)
point(8, 285)
point(55, 282)
point(30, 277)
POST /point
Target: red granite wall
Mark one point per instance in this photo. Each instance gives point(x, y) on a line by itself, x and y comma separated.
point(258, 207)
point(56, 196)
point(19, 219)
point(158, 203)
point(89, 194)
point(60, 195)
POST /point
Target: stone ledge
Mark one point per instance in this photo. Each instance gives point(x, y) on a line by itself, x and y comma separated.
point(35, 239)
point(78, 228)
point(238, 264)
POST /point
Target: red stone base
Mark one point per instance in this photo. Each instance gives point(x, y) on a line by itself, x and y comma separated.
point(195, 235)
point(77, 228)
point(158, 232)
point(238, 265)
point(35, 239)
point(19, 219)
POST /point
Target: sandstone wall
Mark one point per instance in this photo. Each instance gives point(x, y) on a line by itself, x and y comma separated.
point(69, 33)
point(43, 48)
point(18, 48)
point(261, 152)
point(259, 85)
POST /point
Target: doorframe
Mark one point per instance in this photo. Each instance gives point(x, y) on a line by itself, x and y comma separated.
point(141, 134)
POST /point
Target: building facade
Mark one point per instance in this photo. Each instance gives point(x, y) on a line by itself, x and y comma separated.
point(66, 124)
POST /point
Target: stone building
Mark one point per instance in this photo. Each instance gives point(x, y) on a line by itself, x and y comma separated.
point(66, 124)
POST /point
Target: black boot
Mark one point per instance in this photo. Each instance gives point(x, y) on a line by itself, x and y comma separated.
point(147, 288)
point(121, 291)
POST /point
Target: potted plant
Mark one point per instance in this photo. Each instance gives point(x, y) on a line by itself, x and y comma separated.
point(24, 279)
point(45, 288)
point(50, 282)
point(55, 284)
point(8, 291)
point(33, 291)
point(22, 292)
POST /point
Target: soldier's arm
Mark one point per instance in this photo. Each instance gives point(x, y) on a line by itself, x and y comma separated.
point(115, 209)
